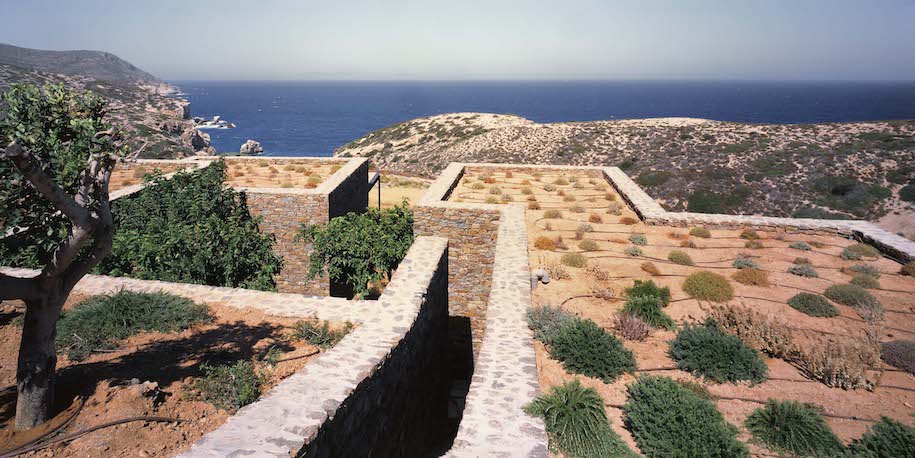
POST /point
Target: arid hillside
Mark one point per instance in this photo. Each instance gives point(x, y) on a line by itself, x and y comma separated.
point(847, 170)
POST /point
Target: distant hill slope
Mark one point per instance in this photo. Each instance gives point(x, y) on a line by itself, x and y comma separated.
point(844, 170)
point(157, 126)
point(98, 65)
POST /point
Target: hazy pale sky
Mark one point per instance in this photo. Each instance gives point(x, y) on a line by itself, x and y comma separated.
point(472, 39)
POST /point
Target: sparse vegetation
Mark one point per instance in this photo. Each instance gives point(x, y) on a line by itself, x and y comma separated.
point(858, 251)
point(546, 321)
point(708, 286)
point(631, 327)
point(320, 333)
point(638, 239)
point(230, 386)
point(634, 251)
point(769, 335)
point(865, 281)
point(800, 246)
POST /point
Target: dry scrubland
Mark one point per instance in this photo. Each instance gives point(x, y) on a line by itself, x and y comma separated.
point(594, 247)
point(848, 170)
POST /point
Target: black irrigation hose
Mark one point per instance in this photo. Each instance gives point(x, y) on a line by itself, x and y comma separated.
point(51, 432)
point(83, 432)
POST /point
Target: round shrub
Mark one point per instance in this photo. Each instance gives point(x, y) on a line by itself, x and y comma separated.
point(638, 239)
point(749, 234)
point(576, 422)
point(706, 350)
point(800, 261)
point(800, 246)
point(560, 181)
point(680, 257)
point(491, 200)
point(629, 221)
point(813, 305)
point(754, 245)
point(650, 268)
point(615, 208)
point(743, 262)
point(886, 438)
point(533, 205)
point(649, 288)
point(795, 428)
point(863, 269)
point(633, 251)
point(899, 353)
point(803, 270)
point(708, 286)
point(585, 227)
point(865, 281)
point(851, 295)
point(700, 232)
point(631, 327)
point(752, 277)
point(668, 420)
point(552, 214)
point(574, 260)
point(908, 269)
point(595, 218)
point(907, 193)
point(858, 251)
point(495, 190)
point(544, 243)
point(584, 348)
point(546, 321)
point(588, 245)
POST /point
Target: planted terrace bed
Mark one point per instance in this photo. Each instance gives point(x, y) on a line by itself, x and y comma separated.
point(595, 247)
point(160, 373)
point(132, 173)
point(279, 173)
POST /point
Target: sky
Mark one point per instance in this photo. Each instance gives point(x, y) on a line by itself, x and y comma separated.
point(482, 40)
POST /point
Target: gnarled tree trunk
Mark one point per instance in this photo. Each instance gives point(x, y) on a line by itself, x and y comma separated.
point(37, 361)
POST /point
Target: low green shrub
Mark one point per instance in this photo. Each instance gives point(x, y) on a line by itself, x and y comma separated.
point(800, 246)
point(546, 321)
point(588, 245)
point(669, 420)
point(907, 192)
point(319, 333)
point(900, 354)
point(887, 438)
point(708, 286)
point(705, 350)
point(680, 257)
point(813, 305)
point(638, 239)
point(858, 251)
point(863, 269)
point(803, 270)
point(102, 322)
point(700, 232)
point(650, 178)
point(576, 422)
point(648, 308)
point(851, 295)
point(633, 251)
point(865, 281)
point(742, 262)
point(584, 348)
point(795, 428)
point(574, 260)
point(649, 288)
point(229, 387)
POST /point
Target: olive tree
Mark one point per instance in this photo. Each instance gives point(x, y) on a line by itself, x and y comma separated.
point(56, 156)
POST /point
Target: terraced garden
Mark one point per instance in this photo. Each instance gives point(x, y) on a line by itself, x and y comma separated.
point(266, 173)
point(715, 323)
point(128, 174)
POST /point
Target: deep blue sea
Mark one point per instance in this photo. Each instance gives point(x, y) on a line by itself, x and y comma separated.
point(313, 118)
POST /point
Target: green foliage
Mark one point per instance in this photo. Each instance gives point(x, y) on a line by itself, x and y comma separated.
point(743, 262)
point(887, 438)
point(191, 228)
point(707, 201)
point(576, 422)
point(708, 286)
point(792, 427)
point(865, 281)
point(669, 420)
point(58, 126)
point(648, 308)
point(803, 270)
point(358, 250)
point(102, 322)
point(574, 260)
point(899, 353)
point(708, 351)
point(652, 178)
point(319, 333)
point(638, 239)
point(848, 194)
point(800, 246)
point(851, 295)
point(649, 288)
point(229, 387)
point(584, 348)
point(813, 305)
point(633, 251)
point(865, 269)
point(818, 213)
point(700, 232)
point(680, 257)
point(907, 192)
point(546, 321)
point(858, 251)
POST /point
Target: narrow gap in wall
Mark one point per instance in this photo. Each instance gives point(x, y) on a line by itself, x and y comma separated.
point(458, 371)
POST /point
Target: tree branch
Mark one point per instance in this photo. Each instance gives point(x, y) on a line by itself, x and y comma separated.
point(103, 228)
point(23, 161)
